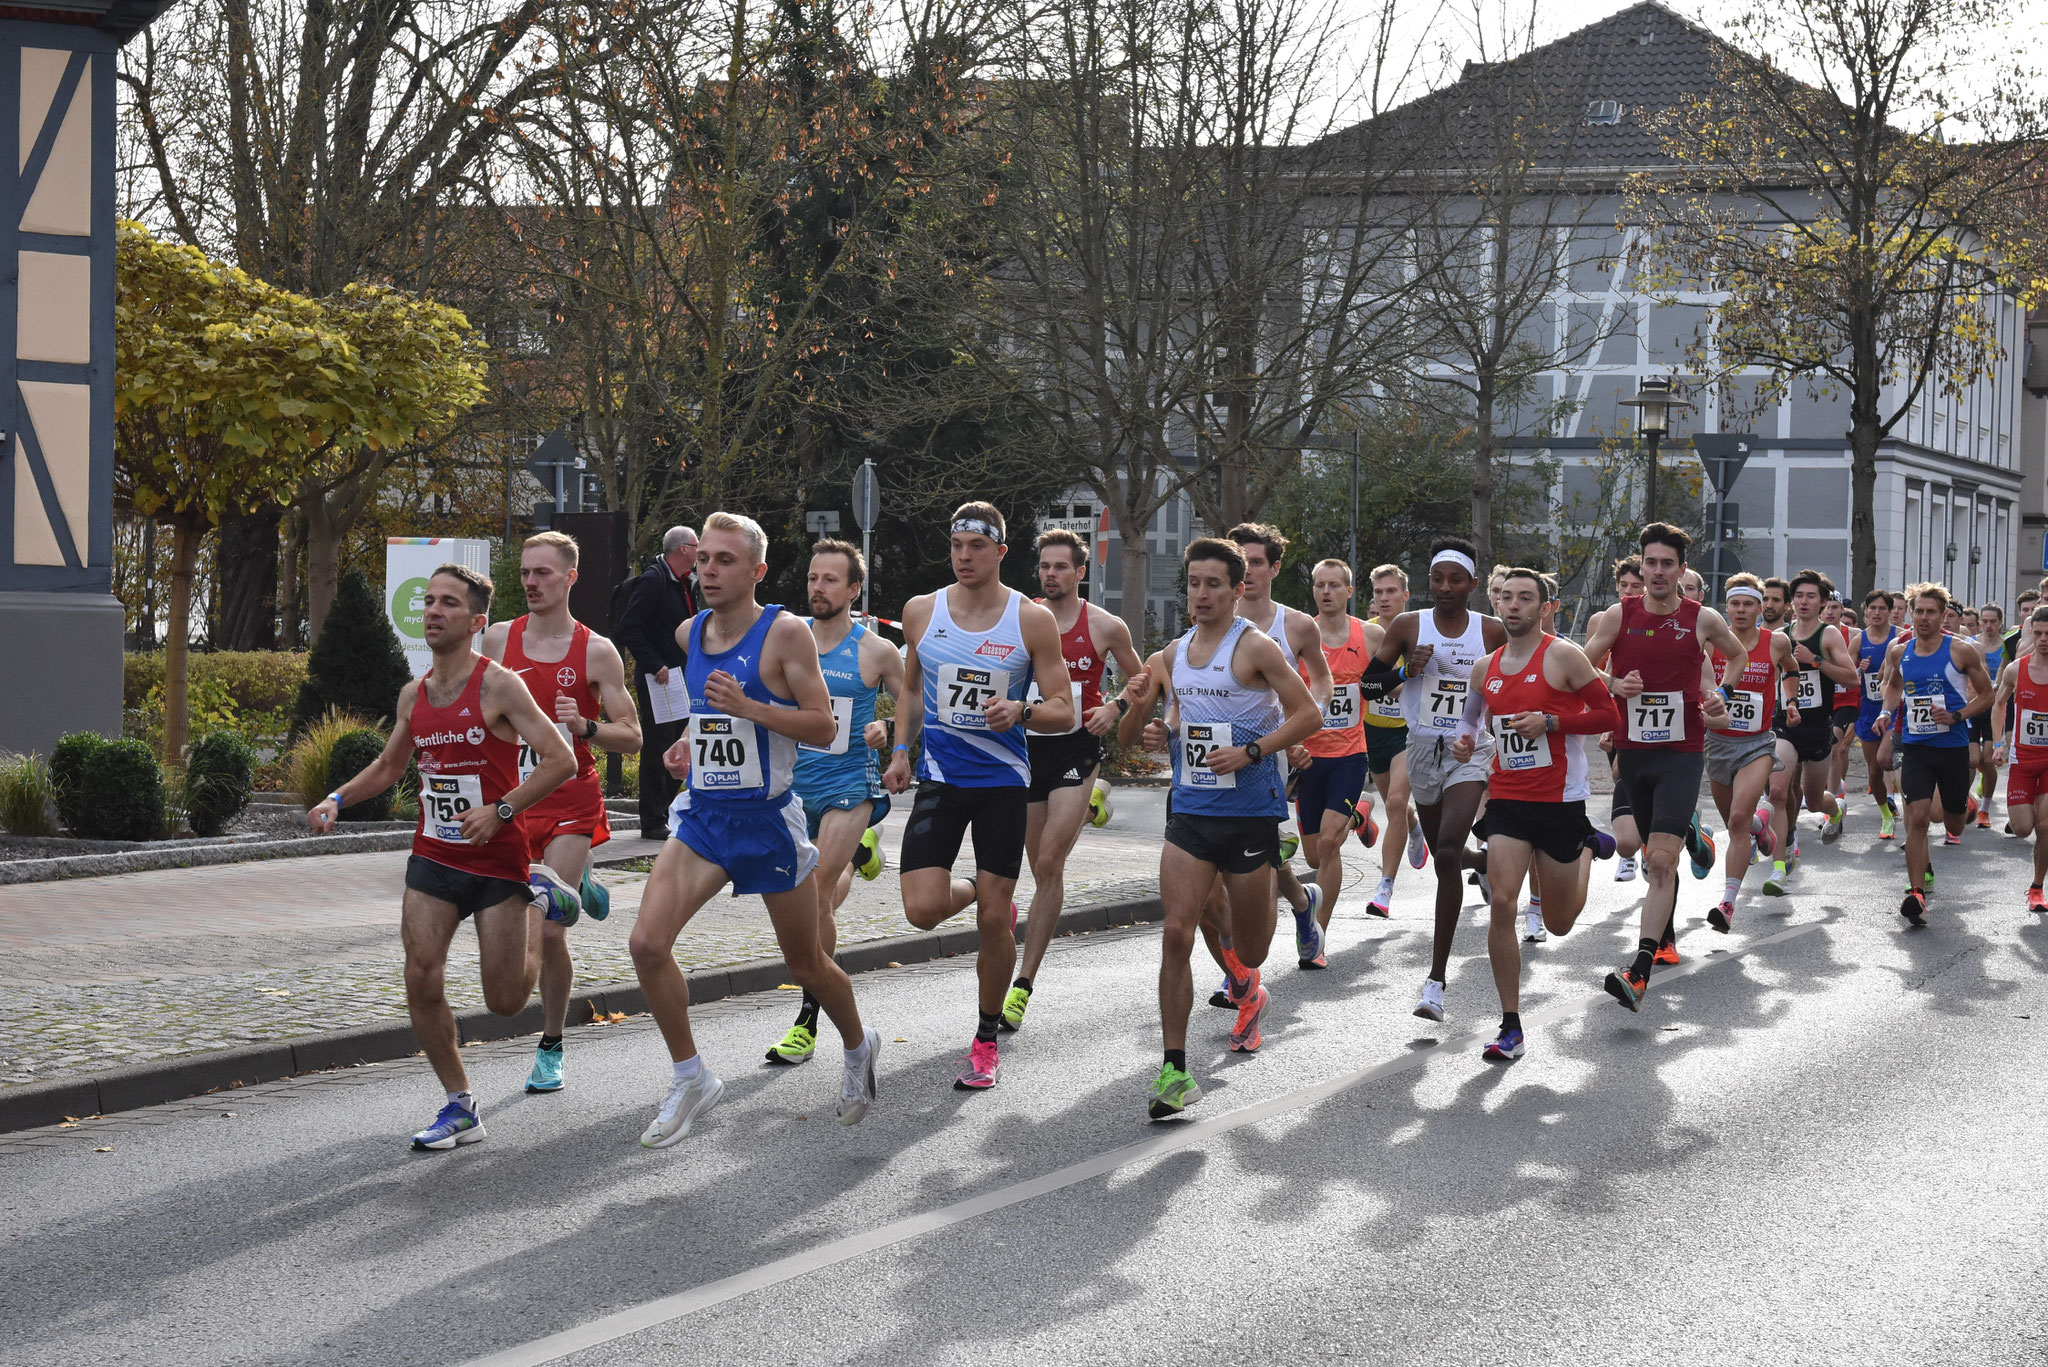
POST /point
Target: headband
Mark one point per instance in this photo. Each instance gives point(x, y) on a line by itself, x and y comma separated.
point(1744, 591)
point(977, 527)
point(1458, 558)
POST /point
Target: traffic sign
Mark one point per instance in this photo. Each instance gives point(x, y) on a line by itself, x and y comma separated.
point(1724, 454)
point(1720, 563)
point(822, 523)
point(866, 500)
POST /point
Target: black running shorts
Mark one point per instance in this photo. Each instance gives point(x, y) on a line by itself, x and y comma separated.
point(1556, 829)
point(468, 893)
point(1926, 770)
point(943, 815)
point(1232, 844)
point(1067, 760)
point(1663, 788)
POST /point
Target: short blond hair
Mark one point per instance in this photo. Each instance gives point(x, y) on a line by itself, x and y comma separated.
point(1332, 564)
point(1938, 592)
point(746, 527)
point(1387, 572)
point(559, 541)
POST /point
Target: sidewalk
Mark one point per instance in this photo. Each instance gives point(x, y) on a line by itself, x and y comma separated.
point(136, 967)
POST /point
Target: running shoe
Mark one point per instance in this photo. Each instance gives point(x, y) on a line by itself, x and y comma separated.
point(1314, 953)
point(1172, 1092)
point(1505, 1048)
point(980, 1073)
point(559, 901)
point(686, 1100)
point(2035, 901)
point(1382, 903)
point(1699, 843)
point(1418, 848)
point(870, 861)
point(547, 1070)
point(1914, 908)
point(796, 1046)
point(1887, 823)
point(1368, 830)
point(1288, 845)
point(1763, 836)
point(1485, 889)
point(456, 1124)
point(1970, 810)
point(1315, 902)
point(1015, 1003)
point(1625, 869)
point(1667, 953)
point(1601, 844)
point(1951, 838)
point(1221, 996)
point(1774, 886)
point(1431, 1007)
point(1927, 879)
point(1244, 1034)
point(1627, 988)
point(1722, 918)
point(1831, 829)
point(857, 1089)
point(1792, 864)
point(1984, 819)
point(597, 902)
point(1842, 791)
point(1099, 810)
point(1534, 932)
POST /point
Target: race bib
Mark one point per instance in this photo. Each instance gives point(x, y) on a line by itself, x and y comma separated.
point(1656, 718)
point(529, 760)
point(1032, 695)
point(1745, 712)
point(1872, 692)
point(1387, 708)
point(2034, 728)
point(443, 800)
point(1516, 753)
point(1920, 714)
point(1342, 713)
point(725, 754)
point(842, 730)
point(1443, 703)
point(964, 690)
point(1807, 699)
point(1198, 740)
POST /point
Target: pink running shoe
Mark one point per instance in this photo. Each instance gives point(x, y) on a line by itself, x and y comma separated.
point(1244, 1035)
point(980, 1073)
point(1760, 829)
point(1013, 917)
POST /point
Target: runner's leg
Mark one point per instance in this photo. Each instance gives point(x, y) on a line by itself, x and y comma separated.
point(1448, 825)
point(427, 927)
point(1185, 884)
point(508, 953)
point(682, 882)
point(798, 933)
point(569, 856)
point(1057, 823)
point(1507, 864)
point(839, 833)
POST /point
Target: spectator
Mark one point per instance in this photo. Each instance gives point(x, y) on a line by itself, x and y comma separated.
point(661, 600)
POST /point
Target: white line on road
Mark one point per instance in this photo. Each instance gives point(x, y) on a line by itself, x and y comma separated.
point(650, 1314)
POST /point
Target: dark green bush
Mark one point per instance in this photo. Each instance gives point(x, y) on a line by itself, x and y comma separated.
point(355, 751)
point(219, 771)
point(67, 774)
point(123, 793)
point(358, 666)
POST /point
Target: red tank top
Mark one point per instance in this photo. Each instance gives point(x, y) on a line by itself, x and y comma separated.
point(2028, 698)
point(1754, 708)
point(1343, 729)
point(1550, 768)
point(1666, 651)
point(1084, 666)
point(548, 680)
point(462, 765)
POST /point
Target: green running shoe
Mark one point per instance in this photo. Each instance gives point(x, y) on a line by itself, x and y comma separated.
point(1927, 879)
point(597, 902)
point(1098, 805)
point(1173, 1091)
point(1887, 824)
point(795, 1047)
point(1774, 886)
point(870, 863)
point(1014, 1006)
point(1288, 845)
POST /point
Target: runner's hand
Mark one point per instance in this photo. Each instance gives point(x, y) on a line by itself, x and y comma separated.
point(876, 734)
point(1804, 656)
point(1155, 737)
point(1714, 709)
point(480, 824)
point(1103, 720)
point(724, 694)
point(1791, 715)
point(676, 759)
point(1998, 753)
point(1228, 759)
point(1002, 714)
point(1942, 716)
point(1530, 725)
point(896, 778)
point(566, 713)
point(1299, 757)
point(1138, 685)
point(1461, 748)
point(322, 817)
point(1419, 658)
point(1629, 684)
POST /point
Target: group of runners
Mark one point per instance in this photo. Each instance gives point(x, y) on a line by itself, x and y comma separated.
point(1419, 731)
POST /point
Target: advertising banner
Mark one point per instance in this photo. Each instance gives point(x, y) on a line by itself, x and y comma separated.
point(409, 561)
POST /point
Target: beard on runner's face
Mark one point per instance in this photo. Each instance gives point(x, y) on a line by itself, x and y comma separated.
point(824, 609)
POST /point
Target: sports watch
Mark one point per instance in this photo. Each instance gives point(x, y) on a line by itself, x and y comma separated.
point(505, 811)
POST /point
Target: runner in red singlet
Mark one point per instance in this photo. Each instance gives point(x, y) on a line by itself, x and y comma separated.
point(1541, 696)
point(577, 677)
point(1742, 755)
point(464, 723)
point(2023, 683)
point(1332, 761)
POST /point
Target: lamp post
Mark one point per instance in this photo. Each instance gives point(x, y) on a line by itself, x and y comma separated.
point(1655, 401)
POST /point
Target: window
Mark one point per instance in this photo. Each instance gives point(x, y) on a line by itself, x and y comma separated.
point(1603, 112)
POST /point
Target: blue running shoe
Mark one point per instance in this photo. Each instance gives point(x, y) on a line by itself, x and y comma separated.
point(457, 1124)
point(558, 901)
point(1601, 844)
point(1699, 844)
point(547, 1070)
point(1506, 1049)
point(1311, 950)
point(597, 902)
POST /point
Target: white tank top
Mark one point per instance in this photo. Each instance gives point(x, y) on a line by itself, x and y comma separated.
point(1434, 700)
point(1278, 631)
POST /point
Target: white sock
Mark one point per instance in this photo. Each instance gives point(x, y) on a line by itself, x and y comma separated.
point(689, 1067)
point(466, 1100)
point(859, 1054)
point(1386, 886)
point(1730, 888)
point(1535, 904)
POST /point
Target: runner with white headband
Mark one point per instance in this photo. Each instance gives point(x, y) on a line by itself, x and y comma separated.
point(1742, 755)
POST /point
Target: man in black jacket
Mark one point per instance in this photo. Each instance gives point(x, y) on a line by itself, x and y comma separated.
point(661, 600)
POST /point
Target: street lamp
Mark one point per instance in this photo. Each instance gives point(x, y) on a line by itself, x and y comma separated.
point(1655, 402)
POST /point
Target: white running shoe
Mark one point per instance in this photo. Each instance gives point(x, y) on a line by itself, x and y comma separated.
point(1534, 932)
point(857, 1088)
point(681, 1107)
point(1624, 870)
point(1431, 1007)
point(1418, 848)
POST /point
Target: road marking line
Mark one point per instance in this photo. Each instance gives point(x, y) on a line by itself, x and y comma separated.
point(651, 1314)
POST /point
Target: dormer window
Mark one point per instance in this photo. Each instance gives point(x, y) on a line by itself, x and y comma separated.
point(1603, 112)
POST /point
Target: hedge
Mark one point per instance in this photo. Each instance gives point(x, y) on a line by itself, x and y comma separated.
point(258, 680)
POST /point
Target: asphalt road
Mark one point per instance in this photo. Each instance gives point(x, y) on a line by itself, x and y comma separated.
point(1820, 1142)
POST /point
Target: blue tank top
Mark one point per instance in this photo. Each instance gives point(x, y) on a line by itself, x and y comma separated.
point(1216, 710)
point(1870, 669)
point(1994, 658)
point(732, 760)
point(963, 672)
point(1931, 678)
point(846, 765)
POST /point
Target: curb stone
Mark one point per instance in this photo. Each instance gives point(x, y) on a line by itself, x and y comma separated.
point(36, 1104)
point(194, 856)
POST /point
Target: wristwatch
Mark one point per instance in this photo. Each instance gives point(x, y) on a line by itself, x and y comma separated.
point(1253, 752)
point(505, 812)
point(1123, 705)
point(1024, 717)
point(590, 733)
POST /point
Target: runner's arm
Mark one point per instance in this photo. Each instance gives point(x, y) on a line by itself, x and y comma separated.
point(495, 637)
point(2008, 683)
point(909, 702)
point(1142, 690)
point(792, 653)
point(1304, 715)
point(1835, 660)
point(881, 667)
point(1116, 639)
point(1715, 634)
point(1601, 634)
point(1382, 675)
point(1979, 678)
point(554, 761)
point(380, 773)
point(1054, 710)
point(1567, 668)
point(1476, 711)
point(1307, 640)
point(621, 734)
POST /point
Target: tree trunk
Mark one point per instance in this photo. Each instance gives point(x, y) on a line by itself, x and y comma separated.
point(184, 559)
point(290, 608)
point(248, 581)
point(323, 564)
point(1863, 439)
point(1482, 492)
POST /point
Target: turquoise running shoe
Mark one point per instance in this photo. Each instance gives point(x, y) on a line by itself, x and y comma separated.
point(597, 902)
point(547, 1070)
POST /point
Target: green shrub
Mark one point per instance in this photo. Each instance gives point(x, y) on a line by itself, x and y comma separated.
point(67, 774)
point(219, 771)
point(358, 666)
point(257, 680)
point(353, 752)
point(28, 799)
point(310, 757)
point(122, 793)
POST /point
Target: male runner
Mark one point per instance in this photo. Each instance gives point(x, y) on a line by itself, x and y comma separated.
point(463, 723)
point(2023, 683)
point(1652, 648)
point(575, 675)
point(1295, 633)
point(1628, 841)
point(1926, 678)
point(1240, 703)
point(1690, 585)
point(1333, 760)
point(756, 693)
point(1743, 754)
point(840, 785)
point(1386, 746)
point(1952, 620)
point(973, 650)
point(1823, 661)
point(2022, 626)
point(1877, 748)
point(1541, 695)
point(1991, 643)
point(1441, 647)
point(1842, 618)
point(1777, 603)
point(1063, 785)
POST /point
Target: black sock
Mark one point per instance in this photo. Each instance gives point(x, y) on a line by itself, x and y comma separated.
point(807, 1013)
point(1646, 950)
point(1024, 983)
point(985, 1032)
point(550, 1041)
point(1177, 1058)
point(1510, 1020)
point(1670, 938)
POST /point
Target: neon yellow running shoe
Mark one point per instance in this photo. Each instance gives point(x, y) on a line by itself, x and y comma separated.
point(1288, 845)
point(869, 863)
point(1098, 805)
point(1014, 1006)
point(1172, 1092)
point(1887, 824)
point(795, 1047)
